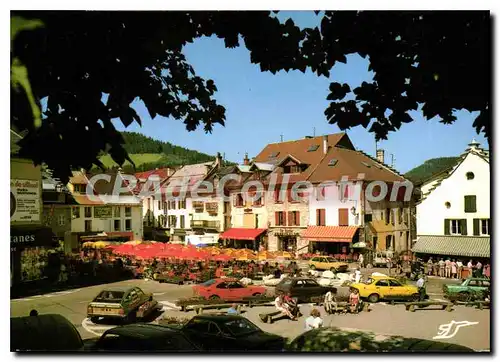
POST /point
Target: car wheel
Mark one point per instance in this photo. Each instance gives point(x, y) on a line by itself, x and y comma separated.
point(132, 317)
point(256, 294)
point(214, 297)
point(333, 270)
point(373, 298)
point(312, 267)
point(94, 319)
point(415, 297)
point(464, 297)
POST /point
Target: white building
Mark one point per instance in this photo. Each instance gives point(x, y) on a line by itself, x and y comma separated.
point(453, 215)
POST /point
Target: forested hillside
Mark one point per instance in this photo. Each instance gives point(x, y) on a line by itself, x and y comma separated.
point(148, 153)
point(430, 168)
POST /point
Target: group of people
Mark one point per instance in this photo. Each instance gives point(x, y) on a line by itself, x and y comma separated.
point(454, 268)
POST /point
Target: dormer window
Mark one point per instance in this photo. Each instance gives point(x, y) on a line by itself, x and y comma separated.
point(332, 162)
point(313, 148)
point(274, 155)
point(291, 169)
point(470, 175)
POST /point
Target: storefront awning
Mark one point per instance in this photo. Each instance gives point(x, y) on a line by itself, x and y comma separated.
point(471, 246)
point(242, 234)
point(336, 234)
point(380, 227)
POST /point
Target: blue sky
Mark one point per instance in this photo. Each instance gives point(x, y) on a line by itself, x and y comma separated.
point(260, 107)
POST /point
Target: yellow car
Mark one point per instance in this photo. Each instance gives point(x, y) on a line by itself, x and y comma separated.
point(328, 263)
point(384, 287)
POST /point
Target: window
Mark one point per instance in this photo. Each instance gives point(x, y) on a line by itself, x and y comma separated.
point(117, 225)
point(159, 205)
point(368, 218)
point(258, 201)
point(294, 218)
point(238, 200)
point(394, 283)
point(182, 204)
point(387, 216)
point(382, 283)
point(485, 227)
point(332, 162)
point(277, 197)
point(222, 286)
point(470, 175)
point(343, 217)
point(76, 212)
point(128, 211)
point(400, 216)
point(149, 204)
point(388, 242)
point(447, 204)
point(62, 220)
point(455, 227)
point(274, 155)
point(88, 212)
point(235, 285)
point(128, 224)
point(117, 211)
point(320, 217)
point(312, 148)
point(182, 221)
point(470, 203)
point(88, 225)
point(279, 218)
point(320, 193)
point(291, 169)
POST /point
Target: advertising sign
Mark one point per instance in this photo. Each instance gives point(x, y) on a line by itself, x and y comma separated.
point(103, 212)
point(25, 201)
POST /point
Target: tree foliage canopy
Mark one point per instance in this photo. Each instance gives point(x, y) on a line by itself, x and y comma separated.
point(430, 168)
point(440, 60)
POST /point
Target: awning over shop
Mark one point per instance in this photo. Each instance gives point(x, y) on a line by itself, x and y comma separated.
point(471, 246)
point(199, 240)
point(336, 234)
point(380, 227)
point(29, 236)
point(242, 234)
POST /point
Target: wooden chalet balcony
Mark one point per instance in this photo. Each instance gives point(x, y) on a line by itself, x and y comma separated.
point(205, 224)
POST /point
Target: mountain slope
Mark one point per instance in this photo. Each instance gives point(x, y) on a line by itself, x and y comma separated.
point(430, 168)
point(148, 153)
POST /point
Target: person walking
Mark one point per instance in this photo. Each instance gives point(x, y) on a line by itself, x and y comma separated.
point(441, 267)
point(421, 288)
point(361, 260)
point(479, 269)
point(389, 266)
point(460, 267)
point(354, 300)
point(330, 302)
point(447, 268)
point(357, 276)
point(314, 321)
point(429, 266)
point(453, 269)
point(470, 267)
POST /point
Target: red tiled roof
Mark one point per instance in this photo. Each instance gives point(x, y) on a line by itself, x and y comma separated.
point(241, 234)
point(84, 200)
point(339, 234)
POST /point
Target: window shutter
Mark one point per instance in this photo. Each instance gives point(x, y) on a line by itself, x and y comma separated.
point(289, 195)
point(290, 218)
point(276, 218)
point(346, 192)
point(284, 217)
point(343, 217)
point(447, 226)
point(322, 215)
point(475, 227)
point(463, 225)
point(297, 218)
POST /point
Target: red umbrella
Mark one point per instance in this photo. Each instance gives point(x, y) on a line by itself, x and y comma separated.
point(221, 257)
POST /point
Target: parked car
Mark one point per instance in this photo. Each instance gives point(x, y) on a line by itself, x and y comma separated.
point(227, 289)
point(328, 263)
point(141, 337)
point(380, 258)
point(233, 333)
point(469, 289)
point(44, 333)
point(123, 303)
point(331, 339)
point(302, 288)
point(384, 287)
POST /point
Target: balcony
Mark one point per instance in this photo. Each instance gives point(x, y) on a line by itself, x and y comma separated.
point(205, 224)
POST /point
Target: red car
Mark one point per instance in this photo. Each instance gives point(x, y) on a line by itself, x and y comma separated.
point(226, 289)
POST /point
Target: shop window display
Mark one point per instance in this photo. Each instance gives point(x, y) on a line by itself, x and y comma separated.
point(33, 263)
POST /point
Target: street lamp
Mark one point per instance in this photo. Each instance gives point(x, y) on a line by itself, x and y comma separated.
point(353, 211)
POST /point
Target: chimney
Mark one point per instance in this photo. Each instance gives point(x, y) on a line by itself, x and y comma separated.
point(325, 144)
point(246, 161)
point(218, 160)
point(474, 144)
point(380, 156)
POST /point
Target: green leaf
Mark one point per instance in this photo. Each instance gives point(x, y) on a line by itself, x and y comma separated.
point(20, 82)
point(18, 24)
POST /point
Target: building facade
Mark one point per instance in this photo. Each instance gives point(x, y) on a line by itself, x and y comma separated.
point(453, 215)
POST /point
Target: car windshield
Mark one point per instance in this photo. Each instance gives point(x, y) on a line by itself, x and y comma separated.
point(285, 282)
point(208, 283)
point(331, 260)
point(368, 281)
point(240, 327)
point(109, 296)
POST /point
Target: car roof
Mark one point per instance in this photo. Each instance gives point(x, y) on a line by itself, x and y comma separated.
point(381, 277)
point(218, 317)
point(118, 289)
point(141, 331)
point(218, 280)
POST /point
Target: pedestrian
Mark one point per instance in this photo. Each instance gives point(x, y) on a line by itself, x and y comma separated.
point(470, 266)
point(354, 300)
point(330, 302)
point(479, 269)
point(233, 309)
point(460, 267)
point(357, 275)
point(486, 271)
point(314, 321)
point(447, 268)
point(361, 260)
point(429, 266)
point(389, 265)
point(441, 267)
point(453, 269)
point(421, 288)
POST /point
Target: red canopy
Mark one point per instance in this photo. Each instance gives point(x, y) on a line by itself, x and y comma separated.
point(221, 257)
point(242, 234)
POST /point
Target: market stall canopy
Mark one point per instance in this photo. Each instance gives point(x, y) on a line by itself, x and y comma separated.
point(471, 246)
point(242, 234)
point(359, 245)
point(337, 234)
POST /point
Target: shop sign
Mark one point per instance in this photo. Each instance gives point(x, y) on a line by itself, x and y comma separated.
point(248, 211)
point(103, 212)
point(198, 206)
point(212, 207)
point(33, 237)
point(24, 200)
